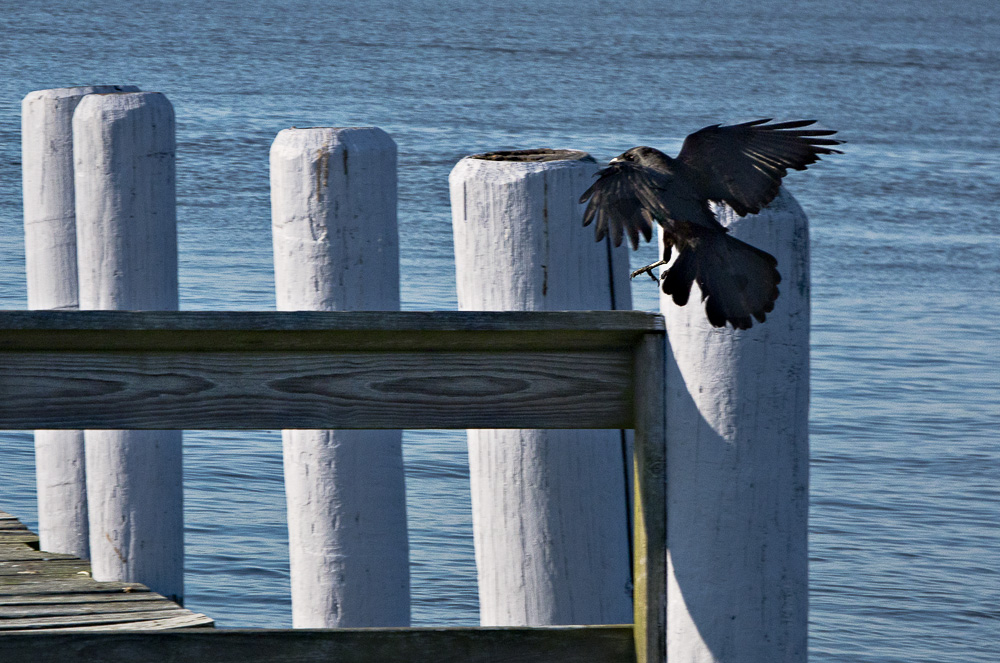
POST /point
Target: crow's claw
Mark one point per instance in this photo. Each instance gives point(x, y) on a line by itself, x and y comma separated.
point(648, 269)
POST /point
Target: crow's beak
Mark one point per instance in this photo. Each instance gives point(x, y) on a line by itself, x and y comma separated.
point(616, 160)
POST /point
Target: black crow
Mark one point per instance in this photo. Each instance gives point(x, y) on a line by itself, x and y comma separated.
point(740, 165)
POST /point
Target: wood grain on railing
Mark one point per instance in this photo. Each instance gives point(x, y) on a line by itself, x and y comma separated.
point(116, 369)
point(317, 370)
point(567, 644)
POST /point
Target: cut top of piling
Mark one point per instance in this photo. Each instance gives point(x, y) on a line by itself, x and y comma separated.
point(534, 155)
point(513, 165)
point(73, 92)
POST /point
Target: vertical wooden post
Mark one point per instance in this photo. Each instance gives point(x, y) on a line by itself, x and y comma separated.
point(549, 507)
point(123, 147)
point(333, 205)
point(738, 464)
point(650, 520)
point(50, 265)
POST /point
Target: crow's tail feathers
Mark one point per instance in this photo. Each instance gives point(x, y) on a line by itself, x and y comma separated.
point(737, 281)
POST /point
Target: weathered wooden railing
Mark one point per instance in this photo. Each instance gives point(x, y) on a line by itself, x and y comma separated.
point(156, 370)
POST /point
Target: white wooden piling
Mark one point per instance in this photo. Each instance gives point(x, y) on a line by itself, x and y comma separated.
point(738, 464)
point(61, 485)
point(550, 512)
point(123, 148)
point(50, 265)
point(333, 210)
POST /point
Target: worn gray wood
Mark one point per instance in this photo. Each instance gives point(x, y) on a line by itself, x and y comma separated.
point(6, 517)
point(150, 388)
point(42, 590)
point(205, 390)
point(29, 538)
point(10, 524)
point(190, 620)
point(49, 568)
point(649, 555)
point(72, 609)
point(593, 644)
point(13, 533)
point(321, 330)
point(14, 552)
point(36, 586)
point(612, 336)
point(88, 619)
point(66, 599)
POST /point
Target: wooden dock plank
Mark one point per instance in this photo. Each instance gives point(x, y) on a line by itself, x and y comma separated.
point(591, 644)
point(65, 599)
point(8, 524)
point(13, 532)
point(67, 609)
point(26, 537)
point(48, 567)
point(13, 552)
point(42, 622)
point(191, 620)
point(52, 591)
point(35, 586)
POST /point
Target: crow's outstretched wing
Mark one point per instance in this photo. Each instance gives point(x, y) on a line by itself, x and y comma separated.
point(628, 198)
point(625, 199)
point(742, 165)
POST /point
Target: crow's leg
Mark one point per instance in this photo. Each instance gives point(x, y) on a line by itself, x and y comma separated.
point(648, 269)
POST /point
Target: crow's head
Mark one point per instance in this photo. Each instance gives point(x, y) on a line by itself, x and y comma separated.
point(644, 156)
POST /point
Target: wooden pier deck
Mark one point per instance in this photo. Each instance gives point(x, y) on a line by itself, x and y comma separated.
point(55, 593)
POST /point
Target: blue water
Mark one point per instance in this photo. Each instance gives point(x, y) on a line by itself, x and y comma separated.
point(905, 517)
